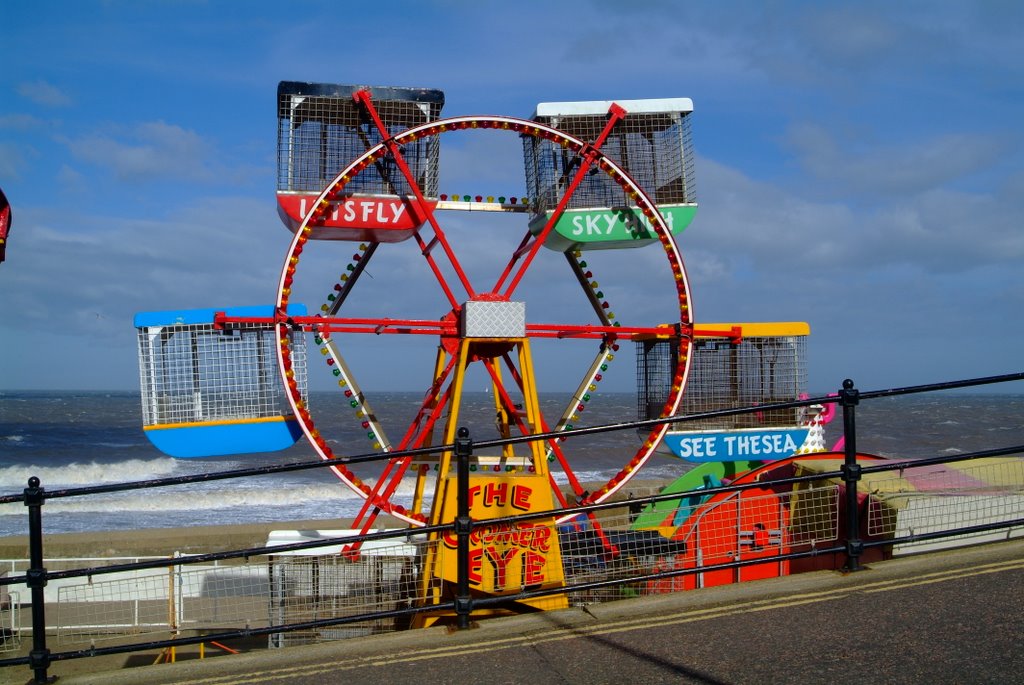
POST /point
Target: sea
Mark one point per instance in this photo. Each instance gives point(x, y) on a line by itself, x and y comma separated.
point(81, 439)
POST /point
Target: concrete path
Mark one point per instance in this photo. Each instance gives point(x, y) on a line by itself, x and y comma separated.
point(943, 617)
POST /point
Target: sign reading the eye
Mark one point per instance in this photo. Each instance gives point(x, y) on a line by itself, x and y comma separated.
point(505, 558)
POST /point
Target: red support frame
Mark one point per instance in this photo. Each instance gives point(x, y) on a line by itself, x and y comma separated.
point(506, 285)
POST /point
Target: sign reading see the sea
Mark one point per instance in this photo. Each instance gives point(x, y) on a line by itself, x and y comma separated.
point(506, 558)
point(763, 444)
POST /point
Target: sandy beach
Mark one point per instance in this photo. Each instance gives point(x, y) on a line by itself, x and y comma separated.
point(158, 541)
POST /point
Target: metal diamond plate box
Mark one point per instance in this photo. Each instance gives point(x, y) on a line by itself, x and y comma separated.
point(494, 320)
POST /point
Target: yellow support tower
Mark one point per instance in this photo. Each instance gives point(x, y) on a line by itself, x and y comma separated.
point(504, 559)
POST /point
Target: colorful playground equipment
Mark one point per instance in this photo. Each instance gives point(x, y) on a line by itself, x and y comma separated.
point(361, 166)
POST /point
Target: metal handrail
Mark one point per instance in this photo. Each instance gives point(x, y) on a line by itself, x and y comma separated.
point(34, 496)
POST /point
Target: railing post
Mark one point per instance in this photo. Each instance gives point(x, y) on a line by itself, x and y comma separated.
point(35, 579)
point(463, 528)
point(849, 398)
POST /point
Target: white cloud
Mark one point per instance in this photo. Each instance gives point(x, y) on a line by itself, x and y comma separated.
point(891, 168)
point(68, 177)
point(20, 122)
point(11, 161)
point(860, 169)
point(766, 234)
point(43, 93)
point(147, 151)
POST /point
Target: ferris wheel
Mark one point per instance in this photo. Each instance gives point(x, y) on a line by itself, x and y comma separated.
point(360, 166)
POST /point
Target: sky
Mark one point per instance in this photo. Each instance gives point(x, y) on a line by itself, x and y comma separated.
point(859, 167)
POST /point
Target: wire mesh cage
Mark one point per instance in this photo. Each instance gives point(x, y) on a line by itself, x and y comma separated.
point(337, 581)
point(10, 624)
point(728, 373)
point(652, 144)
point(321, 128)
point(209, 390)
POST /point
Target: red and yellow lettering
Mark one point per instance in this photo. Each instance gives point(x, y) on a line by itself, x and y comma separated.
point(533, 568)
point(495, 494)
point(476, 565)
point(521, 497)
point(500, 561)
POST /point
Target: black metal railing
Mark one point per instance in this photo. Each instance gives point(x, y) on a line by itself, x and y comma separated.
point(853, 546)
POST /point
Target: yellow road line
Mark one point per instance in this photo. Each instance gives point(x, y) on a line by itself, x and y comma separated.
point(611, 627)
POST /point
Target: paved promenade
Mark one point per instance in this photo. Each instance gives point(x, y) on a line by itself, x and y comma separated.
point(947, 617)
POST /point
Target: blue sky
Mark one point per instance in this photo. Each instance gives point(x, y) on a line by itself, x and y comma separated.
point(859, 166)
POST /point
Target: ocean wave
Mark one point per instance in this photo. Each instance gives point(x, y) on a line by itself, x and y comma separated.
point(87, 473)
point(301, 499)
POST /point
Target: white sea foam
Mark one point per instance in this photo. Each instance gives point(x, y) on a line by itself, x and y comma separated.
point(86, 473)
point(334, 498)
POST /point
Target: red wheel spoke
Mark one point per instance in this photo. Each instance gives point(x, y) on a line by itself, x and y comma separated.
point(414, 437)
point(363, 97)
point(512, 262)
point(589, 157)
